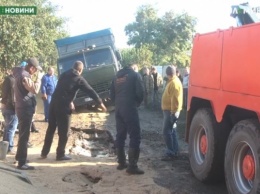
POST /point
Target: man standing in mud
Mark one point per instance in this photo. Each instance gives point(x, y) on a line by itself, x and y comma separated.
point(25, 90)
point(61, 107)
point(171, 107)
point(127, 92)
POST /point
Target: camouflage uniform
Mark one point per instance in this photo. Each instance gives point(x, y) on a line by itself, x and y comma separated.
point(158, 82)
point(148, 89)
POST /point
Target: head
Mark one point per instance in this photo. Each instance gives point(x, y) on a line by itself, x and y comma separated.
point(145, 71)
point(78, 66)
point(154, 70)
point(170, 71)
point(177, 72)
point(51, 71)
point(186, 70)
point(32, 66)
point(134, 67)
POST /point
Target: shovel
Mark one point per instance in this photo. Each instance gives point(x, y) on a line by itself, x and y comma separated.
point(22, 174)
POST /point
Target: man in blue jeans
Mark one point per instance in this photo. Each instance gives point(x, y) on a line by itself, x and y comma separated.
point(171, 106)
point(8, 111)
point(49, 82)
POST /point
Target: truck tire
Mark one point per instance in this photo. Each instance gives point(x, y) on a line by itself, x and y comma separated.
point(207, 141)
point(242, 172)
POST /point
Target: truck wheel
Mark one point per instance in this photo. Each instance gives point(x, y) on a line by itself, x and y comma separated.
point(242, 171)
point(207, 141)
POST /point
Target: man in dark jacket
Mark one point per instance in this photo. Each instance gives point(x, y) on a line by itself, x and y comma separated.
point(61, 108)
point(8, 111)
point(25, 91)
point(127, 92)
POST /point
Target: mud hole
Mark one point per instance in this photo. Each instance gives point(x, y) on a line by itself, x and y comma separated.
point(85, 178)
point(92, 142)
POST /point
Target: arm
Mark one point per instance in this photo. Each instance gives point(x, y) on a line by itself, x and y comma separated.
point(43, 85)
point(112, 91)
point(151, 83)
point(176, 97)
point(31, 86)
point(139, 85)
point(5, 87)
point(84, 86)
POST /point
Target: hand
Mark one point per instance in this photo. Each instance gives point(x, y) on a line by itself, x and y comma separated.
point(72, 107)
point(174, 117)
point(104, 109)
point(44, 97)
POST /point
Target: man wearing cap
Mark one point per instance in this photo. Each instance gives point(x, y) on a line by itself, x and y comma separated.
point(25, 103)
point(171, 106)
point(61, 107)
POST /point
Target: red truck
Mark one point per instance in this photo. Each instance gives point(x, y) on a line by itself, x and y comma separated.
point(223, 113)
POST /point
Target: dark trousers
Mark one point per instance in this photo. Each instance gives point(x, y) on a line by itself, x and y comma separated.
point(127, 121)
point(58, 117)
point(185, 97)
point(25, 120)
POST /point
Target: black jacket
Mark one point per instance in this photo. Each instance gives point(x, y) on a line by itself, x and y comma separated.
point(127, 89)
point(69, 83)
point(8, 92)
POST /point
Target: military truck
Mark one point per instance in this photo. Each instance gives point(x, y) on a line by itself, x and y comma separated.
point(100, 57)
point(223, 113)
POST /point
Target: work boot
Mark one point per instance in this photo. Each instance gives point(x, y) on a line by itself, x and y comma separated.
point(133, 156)
point(121, 159)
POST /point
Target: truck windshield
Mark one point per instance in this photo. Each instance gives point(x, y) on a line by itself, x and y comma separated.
point(67, 62)
point(96, 58)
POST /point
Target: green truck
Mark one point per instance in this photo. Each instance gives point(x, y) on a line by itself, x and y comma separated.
point(101, 59)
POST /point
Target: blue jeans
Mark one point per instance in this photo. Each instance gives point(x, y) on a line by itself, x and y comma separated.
point(46, 104)
point(170, 134)
point(11, 122)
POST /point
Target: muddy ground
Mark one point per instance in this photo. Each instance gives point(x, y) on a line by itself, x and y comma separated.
point(93, 167)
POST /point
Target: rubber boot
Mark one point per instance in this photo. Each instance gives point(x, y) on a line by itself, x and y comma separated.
point(121, 159)
point(133, 156)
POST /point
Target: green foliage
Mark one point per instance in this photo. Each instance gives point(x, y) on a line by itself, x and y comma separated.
point(168, 38)
point(24, 36)
point(141, 56)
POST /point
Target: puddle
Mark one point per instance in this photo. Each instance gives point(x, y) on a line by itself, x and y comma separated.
point(93, 143)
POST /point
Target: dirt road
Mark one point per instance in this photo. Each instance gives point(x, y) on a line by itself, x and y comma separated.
point(93, 167)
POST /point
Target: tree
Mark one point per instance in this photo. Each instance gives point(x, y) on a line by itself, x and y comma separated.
point(168, 38)
point(24, 36)
point(142, 56)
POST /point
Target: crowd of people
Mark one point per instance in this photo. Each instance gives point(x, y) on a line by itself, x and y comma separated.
point(129, 89)
point(18, 105)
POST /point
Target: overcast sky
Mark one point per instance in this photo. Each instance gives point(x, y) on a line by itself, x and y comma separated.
point(91, 15)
